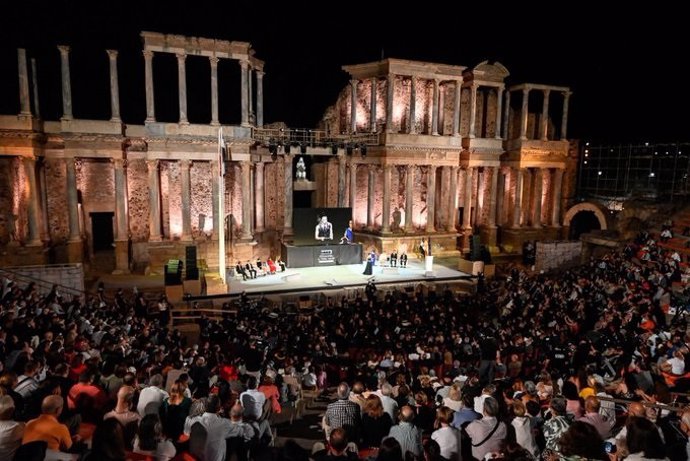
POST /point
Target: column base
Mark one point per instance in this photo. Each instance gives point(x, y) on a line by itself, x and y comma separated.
point(75, 251)
point(186, 239)
point(156, 239)
point(121, 257)
point(215, 123)
point(34, 243)
point(183, 123)
point(488, 237)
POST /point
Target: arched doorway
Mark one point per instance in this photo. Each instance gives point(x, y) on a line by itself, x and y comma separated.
point(584, 221)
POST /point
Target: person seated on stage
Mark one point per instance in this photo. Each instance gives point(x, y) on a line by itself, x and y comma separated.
point(323, 230)
point(372, 257)
point(280, 263)
point(403, 259)
point(261, 268)
point(394, 258)
point(422, 249)
point(240, 270)
point(348, 236)
point(251, 270)
point(271, 266)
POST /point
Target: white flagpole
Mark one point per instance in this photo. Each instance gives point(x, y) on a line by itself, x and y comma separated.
point(221, 206)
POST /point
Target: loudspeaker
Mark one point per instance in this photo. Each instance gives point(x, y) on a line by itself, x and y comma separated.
point(190, 259)
point(475, 248)
point(173, 272)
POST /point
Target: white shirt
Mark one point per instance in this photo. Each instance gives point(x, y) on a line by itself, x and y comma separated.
point(217, 429)
point(11, 433)
point(148, 395)
point(448, 439)
point(252, 401)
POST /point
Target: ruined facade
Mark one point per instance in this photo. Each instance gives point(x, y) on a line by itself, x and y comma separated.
point(416, 149)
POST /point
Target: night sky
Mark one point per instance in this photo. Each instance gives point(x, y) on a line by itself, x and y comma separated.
point(625, 68)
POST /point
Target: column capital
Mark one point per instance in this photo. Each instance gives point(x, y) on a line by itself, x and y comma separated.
point(213, 60)
point(547, 91)
point(64, 49)
point(354, 81)
point(185, 163)
point(152, 163)
point(388, 166)
point(437, 81)
point(459, 81)
point(181, 57)
point(112, 54)
point(148, 54)
point(119, 163)
point(526, 90)
point(500, 87)
point(432, 167)
point(567, 94)
point(259, 74)
point(244, 64)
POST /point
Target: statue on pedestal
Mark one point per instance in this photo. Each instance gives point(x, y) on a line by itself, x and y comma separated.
point(301, 170)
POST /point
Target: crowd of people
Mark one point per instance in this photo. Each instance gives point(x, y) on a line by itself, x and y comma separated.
point(526, 368)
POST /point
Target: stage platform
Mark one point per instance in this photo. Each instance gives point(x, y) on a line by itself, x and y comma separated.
point(295, 280)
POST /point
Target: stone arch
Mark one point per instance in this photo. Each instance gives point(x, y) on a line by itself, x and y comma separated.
point(595, 208)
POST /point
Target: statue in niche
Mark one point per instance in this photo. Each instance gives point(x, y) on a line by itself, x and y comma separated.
point(301, 170)
point(397, 220)
point(12, 227)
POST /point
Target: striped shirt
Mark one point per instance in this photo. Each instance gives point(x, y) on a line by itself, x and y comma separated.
point(408, 436)
point(343, 413)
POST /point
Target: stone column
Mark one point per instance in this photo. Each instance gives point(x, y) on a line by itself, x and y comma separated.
point(390, 94)
point(182, 87)
point(544, 125)
point(527, 201)
point(114, 87)
point(413, 105)
point(473, 109)
point(24, 98)
point(66, 83)
point(259, 98)
point(506, 116)
point(409, 198)
point(519, 183)
point(501, 196)
point(370, 199)
point(493, 193)
point(434, 109)
point(150, 103)
point(185, 165)
point(456, 108)
point(524, 113)
point(34, 202)
point(34, 79)
point(353, 187)
point(353, 106)
point(386, 214)
point(341, 180)
point(154, 201)
point(557, 186)
point(259, 196)
point(564, 120)
point(250, 77)
point(214, 94)
point(431, 199)
point(538, 184)
point(72, 200)
point(372, 106)
point(244, 91)
point(443, 93)
point(467, 200)
point(453, 199)
point(287, 164)
point(121, 221)
point(499, 104)
point(245, 169)
point(215, 191)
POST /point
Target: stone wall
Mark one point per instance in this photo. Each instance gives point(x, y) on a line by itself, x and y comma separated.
point(138, 206)
point(201, 178)
point(7, 202)
point(56, 191)
point(557, 255)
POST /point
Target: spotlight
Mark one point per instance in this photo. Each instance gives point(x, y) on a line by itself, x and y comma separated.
point(303, 148)
point(334, 149)
point(363, 150)
point(349, 149)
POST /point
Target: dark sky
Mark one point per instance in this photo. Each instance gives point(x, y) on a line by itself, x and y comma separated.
point(624, 67)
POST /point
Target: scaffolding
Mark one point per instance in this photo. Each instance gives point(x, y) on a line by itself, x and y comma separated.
point(613, 174)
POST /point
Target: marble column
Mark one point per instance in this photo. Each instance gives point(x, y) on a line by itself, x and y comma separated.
point(259, 98)
point(34, 80)
point(527, 194)
point(538, 189)
point(506, 116)
point(182, 87)
point(557, 191)
point(431, 199)
point(215, 205)
point(434, 109)
point(287, 164)
point(544, 125)
point(501, 197)
point(353, 187)
point(493, 193)
point(72, 200)
point(250, 76)
point(473, 109)
point(564, 120)
point(499, 104)
point(519, 185)
point(456, 108)
point(114, 87)
point(372, 105)
point(66, 83)
point(214, 92)
point(413, 105)
point(353, 106)
point(409, 198)
point(443, 93)
point(150, 103)
point(390, 94)
point(259, 197)
point(244, 92)
point(524, 113)
point(467, 200)
point(342, 171)
point(245, 171)
point(24, 98)
point(33, 202)
point(370, 199)
point(121, 225)
point(453, 199)
point(154, 201)
point(185, 165)
point(386, 214)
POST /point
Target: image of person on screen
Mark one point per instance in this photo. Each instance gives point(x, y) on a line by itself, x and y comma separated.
point(348, 236)
point(323, 230)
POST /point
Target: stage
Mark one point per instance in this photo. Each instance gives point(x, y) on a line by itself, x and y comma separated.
point(311, 279)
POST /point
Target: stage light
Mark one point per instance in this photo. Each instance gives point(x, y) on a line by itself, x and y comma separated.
point(334, 149)
point(303, 148)
point(363, 150)
point(349, 149)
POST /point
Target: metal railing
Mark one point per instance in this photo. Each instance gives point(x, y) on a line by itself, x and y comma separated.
point(297, 137)
point(44, 286)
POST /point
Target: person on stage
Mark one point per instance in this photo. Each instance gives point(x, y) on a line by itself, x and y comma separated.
point(271, 266)
point(348, 236)
point(394, 258)
point(369, 269)
point(323, 230)
point(403, 259)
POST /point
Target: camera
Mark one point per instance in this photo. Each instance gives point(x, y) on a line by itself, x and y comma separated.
point(609, 447)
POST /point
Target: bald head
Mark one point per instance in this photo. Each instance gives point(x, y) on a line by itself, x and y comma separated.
point(125, 395)
point(637, 409)
point(236, 412)
point(343, 390)
point(52, 405)
point(406, 414)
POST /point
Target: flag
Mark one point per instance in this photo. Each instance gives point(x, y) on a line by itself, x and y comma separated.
point(222, 152)
point(220, 200)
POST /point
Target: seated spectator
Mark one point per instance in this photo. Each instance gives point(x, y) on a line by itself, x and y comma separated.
point(338, 448)
point(217, 429)
point(85, 395)
point(252, 400)
point(174, 411)
point(573, 404)
point(343, 413)
point(46, 427)
point(196, 410)
point(150, 440)
point(11, 431)
point(151, 397)
point(376, 423)
point(593, 417)
point(447, 437)
point(523, 429)
point(488, 433)
point(26, 383)
point(407, 435)
point(555, 427)
point(466, 414)
point(107, 443)
point(270, 391)
point(454, 398)
point(239, 428)
point(390, 450)
point(643, 440)
point(123, 408)
point(582, 440)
